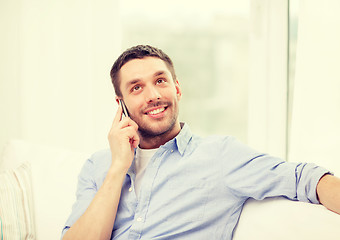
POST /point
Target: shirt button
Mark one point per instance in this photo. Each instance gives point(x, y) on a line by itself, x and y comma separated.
point(172, 151)
point(139, 219)
point(130, 189)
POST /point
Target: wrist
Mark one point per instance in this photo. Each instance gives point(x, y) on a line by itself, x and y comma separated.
point(118, 169)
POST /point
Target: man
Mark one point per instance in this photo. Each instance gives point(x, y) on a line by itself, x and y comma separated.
point(159, 181)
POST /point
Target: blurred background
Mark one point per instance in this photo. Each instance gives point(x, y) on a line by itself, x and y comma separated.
point(264, 71)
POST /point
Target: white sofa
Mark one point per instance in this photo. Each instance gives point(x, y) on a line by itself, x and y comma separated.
point(42, 205)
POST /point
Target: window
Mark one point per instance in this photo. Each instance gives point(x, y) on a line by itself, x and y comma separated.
point(208, 43)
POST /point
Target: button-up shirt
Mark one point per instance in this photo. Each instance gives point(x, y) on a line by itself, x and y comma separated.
point(195, 188)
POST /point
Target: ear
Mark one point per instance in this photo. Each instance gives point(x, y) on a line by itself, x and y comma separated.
point(117, 99)
point(178, 90)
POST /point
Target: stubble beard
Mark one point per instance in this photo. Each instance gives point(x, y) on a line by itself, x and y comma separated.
point(147, 132)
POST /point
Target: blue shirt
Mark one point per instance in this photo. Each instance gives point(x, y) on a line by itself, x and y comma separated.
point(195, 188)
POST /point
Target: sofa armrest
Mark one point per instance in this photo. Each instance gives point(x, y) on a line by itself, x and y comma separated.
point(282, 219)
point(54, 179)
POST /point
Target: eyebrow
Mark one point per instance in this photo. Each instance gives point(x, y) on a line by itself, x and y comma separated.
point(134, 81)
point(158, 73)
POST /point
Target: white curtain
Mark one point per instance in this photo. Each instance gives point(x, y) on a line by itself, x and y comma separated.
point(267, 103)
point(315, 131)
point(54, 79)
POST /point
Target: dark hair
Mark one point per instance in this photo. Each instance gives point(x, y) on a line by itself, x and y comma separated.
point(138, 52)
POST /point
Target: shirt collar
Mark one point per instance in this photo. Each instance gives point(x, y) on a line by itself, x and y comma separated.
point(182, 140)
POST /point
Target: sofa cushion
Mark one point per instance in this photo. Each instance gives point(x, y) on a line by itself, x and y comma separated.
point(16, 204)
point(54, 179)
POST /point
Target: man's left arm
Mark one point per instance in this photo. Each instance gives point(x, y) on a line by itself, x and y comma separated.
point(328, 191)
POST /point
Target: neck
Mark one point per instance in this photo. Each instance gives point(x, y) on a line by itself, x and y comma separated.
point(150, 142)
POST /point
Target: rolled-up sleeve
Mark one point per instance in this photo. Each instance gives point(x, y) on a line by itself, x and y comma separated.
point(254, 175)
point(308, 176)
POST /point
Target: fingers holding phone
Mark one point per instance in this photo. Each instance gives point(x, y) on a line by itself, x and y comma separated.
point(123, 138)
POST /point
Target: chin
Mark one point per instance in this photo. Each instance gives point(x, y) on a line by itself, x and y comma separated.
point(154, 132)
point(156, 129)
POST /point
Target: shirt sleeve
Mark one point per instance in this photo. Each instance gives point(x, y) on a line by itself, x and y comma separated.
point(86, 190)
point(254, 175)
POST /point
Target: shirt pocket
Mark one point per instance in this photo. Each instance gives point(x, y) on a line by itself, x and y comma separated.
point(186, 200)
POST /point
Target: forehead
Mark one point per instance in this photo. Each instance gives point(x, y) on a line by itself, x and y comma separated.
point(142, 69)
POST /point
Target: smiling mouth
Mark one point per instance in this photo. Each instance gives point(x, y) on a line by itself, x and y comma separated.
point(156, 111)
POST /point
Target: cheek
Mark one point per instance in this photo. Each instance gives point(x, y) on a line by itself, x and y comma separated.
point(135, 110)
point(171, 94)
point(137, 103)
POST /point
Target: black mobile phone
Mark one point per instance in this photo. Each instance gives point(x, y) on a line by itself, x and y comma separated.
point(125, 111)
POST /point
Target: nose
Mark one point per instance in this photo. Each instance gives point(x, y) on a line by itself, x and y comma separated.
point(152, 94)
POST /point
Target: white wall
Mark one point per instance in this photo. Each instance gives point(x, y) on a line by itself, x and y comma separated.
point(54, 79)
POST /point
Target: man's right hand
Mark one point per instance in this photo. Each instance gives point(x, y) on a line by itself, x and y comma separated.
point(98, 220)
point(123, 138)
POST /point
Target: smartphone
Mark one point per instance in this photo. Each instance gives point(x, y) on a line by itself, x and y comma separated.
point(125, 111)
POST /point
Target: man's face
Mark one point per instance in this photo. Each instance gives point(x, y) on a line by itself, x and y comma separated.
point(151, 95)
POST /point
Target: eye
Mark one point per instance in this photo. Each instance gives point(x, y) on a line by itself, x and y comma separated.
point(160, 81)
point(135, 88)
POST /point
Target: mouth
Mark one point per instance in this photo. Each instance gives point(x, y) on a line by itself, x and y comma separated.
point(156, 111)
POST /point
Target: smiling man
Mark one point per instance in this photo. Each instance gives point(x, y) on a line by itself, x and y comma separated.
point(160, 181)
point(152, 95)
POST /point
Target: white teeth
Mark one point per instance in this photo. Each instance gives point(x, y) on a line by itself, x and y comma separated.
point(156, 111)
